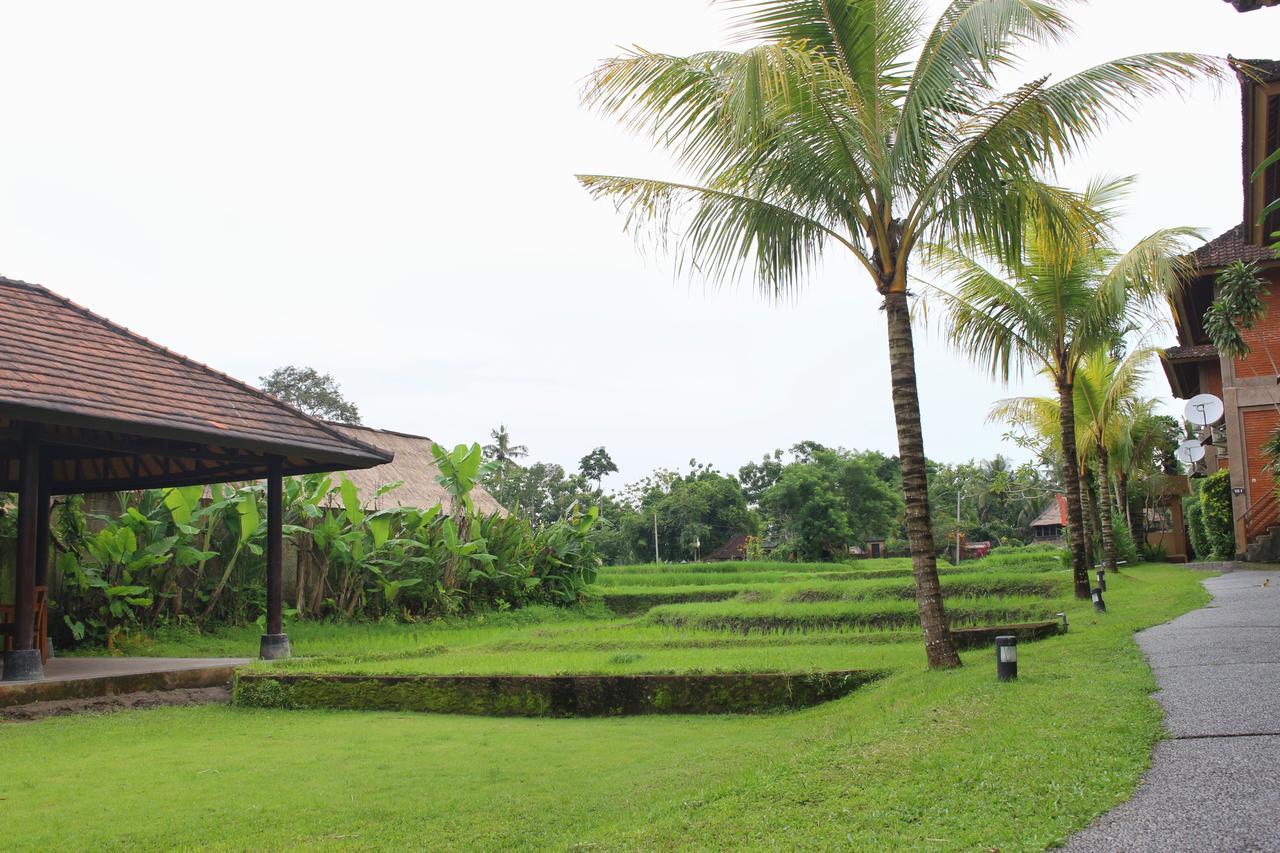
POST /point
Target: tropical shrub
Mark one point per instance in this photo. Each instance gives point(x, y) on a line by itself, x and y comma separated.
point(187, 556)
point(1216, 515)
point(1195, 528)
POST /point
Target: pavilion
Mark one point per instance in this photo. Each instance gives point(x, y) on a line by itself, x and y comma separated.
point(88, 406)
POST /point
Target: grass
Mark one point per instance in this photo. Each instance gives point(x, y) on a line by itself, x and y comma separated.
point(921, 760)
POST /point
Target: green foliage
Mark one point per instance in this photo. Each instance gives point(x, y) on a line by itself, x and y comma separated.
point(596, 465)
point(1195, 528)
point(824, 505)
point(315, 393)
point(1238, 307)
point(1216, 516)
point(1126, 548)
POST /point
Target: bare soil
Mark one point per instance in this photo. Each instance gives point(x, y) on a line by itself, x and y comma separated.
point(121, 702)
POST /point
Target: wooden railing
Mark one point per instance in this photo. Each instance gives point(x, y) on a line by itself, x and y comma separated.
point(1264, 513)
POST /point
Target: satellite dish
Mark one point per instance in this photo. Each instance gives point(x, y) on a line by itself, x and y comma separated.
point(1190, 451)
point(1203, 409)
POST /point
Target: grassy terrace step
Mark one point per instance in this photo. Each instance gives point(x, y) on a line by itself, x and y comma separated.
point(638, 599)
point(735, 566)
point(550, 696)
point(881, 614)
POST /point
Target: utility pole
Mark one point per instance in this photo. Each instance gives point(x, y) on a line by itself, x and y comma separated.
point(958, 491)
point(655, 537)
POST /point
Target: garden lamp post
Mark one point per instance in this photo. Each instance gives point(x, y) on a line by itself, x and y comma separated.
point(1006, 658)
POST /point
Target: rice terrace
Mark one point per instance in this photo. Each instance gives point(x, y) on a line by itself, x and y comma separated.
point(755, 424)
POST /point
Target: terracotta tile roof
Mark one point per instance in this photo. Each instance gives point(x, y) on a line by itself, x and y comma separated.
point(1195, 352)
point(63, 364)
point(1230, 247)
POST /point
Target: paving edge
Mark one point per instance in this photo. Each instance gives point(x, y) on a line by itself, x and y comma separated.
point(111, 685)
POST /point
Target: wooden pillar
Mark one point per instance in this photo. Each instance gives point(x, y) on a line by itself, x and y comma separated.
point(23, 662)
point(275, 643)
point(42, 523)
point(43, 543)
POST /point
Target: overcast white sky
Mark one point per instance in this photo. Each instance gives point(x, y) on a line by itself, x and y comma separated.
point(385, 191)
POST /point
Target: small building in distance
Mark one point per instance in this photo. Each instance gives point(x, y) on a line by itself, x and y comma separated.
point(414, 467)
point(1050, 525)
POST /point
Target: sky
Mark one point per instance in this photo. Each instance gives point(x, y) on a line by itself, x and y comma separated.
point(385, 191)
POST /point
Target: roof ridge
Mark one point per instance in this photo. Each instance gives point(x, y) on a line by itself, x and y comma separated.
point(177, 356)
point(344, 425)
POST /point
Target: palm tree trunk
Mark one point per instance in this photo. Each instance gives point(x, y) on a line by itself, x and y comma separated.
point(939, 646)
point(1104, 510)
point(1071, 474)
point(1122, 499)
point(1090, 508)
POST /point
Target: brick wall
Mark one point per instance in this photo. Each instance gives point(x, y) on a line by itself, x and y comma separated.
point(1264, 339)
point(1258, 426)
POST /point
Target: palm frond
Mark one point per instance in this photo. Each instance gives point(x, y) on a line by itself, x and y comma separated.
point(1071, 111)
point(971, 40)
point(719, 234)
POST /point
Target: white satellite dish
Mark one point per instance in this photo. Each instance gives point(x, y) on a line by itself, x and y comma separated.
point(1203, 409)
point(1190, 451)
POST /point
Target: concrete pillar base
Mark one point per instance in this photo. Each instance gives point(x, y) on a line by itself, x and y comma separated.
point(23, 665)
point(274, 647)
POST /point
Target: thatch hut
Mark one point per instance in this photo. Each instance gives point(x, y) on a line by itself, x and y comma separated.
point(414, 467)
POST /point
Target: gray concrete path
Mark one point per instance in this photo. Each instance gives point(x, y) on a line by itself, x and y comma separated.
point(1215, 784)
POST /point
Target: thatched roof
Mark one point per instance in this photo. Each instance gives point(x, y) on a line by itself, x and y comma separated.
point(1055, 514)
point(413, 465)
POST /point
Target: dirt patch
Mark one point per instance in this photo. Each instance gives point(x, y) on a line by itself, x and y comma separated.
point(119, 702)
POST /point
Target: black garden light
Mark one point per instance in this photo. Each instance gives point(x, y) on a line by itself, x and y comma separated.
point(1099, 606)
point(1102, 579)
point(1006, 658)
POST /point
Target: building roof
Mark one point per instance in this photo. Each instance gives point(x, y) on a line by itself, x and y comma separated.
point(414, 467)
point(1054, 514)
point(117, 411)
point(1229, 247)
point(734, 549)
point(1195, 352)
point(1251, 5)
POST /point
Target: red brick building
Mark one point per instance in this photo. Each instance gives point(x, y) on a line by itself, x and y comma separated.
point(1249, 387)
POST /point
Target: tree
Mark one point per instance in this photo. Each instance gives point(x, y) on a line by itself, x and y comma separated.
point(846, 125)
point(832, 501)
point(757, 477)
point(317, 394)
point(1107, 395)
point(1059, 299)
point(596, 465)
point(504, 453)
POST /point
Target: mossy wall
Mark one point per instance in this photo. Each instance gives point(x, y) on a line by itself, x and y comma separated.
point(551, 696)
point(976, 638)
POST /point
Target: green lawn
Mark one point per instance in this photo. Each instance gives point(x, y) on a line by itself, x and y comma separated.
point(947, 760)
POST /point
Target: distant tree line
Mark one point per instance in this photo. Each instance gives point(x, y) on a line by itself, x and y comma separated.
point(808, 502)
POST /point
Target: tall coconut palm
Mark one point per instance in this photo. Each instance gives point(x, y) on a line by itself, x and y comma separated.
point(1107, 395)
point(851, 125)
point(504, 453)
point(1060, 299)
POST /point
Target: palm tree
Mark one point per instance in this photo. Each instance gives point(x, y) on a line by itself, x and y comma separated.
point(848, 125)
point(504, 453)
point(1060, 299)
point(1106, 398)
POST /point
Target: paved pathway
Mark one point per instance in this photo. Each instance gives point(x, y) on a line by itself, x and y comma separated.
point(1215, 784)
